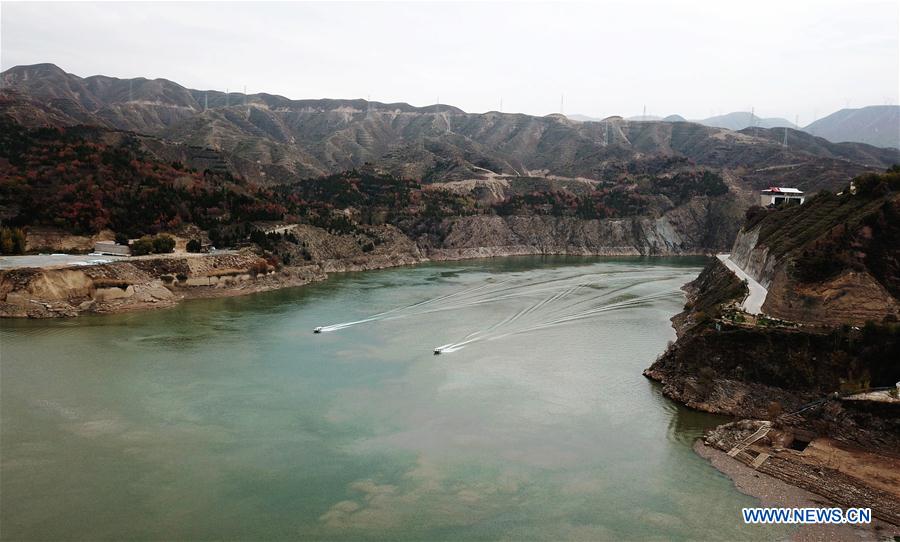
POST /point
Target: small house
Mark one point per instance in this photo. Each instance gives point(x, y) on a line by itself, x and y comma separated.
point(776, 195)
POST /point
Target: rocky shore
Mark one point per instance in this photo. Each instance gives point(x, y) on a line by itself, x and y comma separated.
point(160, 281)
point(775, 492)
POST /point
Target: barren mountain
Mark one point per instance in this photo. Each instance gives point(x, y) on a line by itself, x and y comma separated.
point(743, 119)
point(877, 125)
point(272, 139)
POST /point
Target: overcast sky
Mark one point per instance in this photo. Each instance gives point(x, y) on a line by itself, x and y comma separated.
point(696, 59)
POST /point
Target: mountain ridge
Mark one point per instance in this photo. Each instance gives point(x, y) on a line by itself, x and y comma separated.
point(877, 125)
point(272, 139)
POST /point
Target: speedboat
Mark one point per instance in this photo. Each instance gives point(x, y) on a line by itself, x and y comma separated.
point(437, 351)
point(318, 329)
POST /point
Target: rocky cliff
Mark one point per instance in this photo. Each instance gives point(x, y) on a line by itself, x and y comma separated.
point(684, 230)
point(828, 329)
point(831, 261)
point(311, 252)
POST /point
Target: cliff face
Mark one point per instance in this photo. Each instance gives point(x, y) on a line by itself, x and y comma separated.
point(682, 231)
point(753, 257)
point(160, 281)
point(834, 260)
point(830, 266)
point(148, 282)
point(726, 364)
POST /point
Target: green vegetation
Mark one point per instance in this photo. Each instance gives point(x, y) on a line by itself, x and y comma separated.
point(160, 244)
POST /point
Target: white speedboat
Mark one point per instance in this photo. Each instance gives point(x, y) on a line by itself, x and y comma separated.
point(317, 329)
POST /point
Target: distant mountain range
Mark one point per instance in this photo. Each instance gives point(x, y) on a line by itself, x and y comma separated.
point(877, 125)
point(731, 121)
point(271, 139)
point(745, 119)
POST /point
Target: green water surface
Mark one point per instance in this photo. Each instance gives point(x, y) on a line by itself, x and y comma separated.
point(229, 419)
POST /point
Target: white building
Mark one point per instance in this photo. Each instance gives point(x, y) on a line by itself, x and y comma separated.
point(111, 248)
point(776, 195)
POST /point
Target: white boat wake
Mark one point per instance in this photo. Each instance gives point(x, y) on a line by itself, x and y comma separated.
point(554, 308)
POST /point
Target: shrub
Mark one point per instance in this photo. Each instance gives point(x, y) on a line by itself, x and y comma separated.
point(12, 241)
point(142, 246)
point(260, 267)
point(194, 245)
point(163, 244)
point(121, 239)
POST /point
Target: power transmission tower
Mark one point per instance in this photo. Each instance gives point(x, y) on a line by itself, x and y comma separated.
point(644, 115)
point(206, 100)
point(753, 121)
point(784, 143)
point(226, 96)
point(562, 99)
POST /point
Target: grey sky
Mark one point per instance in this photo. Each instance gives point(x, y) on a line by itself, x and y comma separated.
point(696, 59)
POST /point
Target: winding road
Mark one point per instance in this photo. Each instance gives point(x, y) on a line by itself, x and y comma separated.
point(754, 301)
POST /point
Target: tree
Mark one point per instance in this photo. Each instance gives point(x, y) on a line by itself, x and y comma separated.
point(12, 241)
point(142, 246)
point(194, 245)
point(163, 244)
point(121, 239)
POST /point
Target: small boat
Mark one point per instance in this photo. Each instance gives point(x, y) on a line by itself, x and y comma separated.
point(437, 351)
point(318, 329)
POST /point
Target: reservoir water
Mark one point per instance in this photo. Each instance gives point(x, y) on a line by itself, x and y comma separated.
point(230, 419)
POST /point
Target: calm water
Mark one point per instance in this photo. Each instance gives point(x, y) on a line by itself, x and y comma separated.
point(230, 419)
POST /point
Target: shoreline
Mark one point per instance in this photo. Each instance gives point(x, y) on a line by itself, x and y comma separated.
point(770, 490)
point(773, 492)
point(154, 294)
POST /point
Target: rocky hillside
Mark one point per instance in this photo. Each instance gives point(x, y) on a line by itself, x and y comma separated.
point(834, 260)
point(814, 374)
point(84, 180)
point(270, 138)
point(830, 318)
